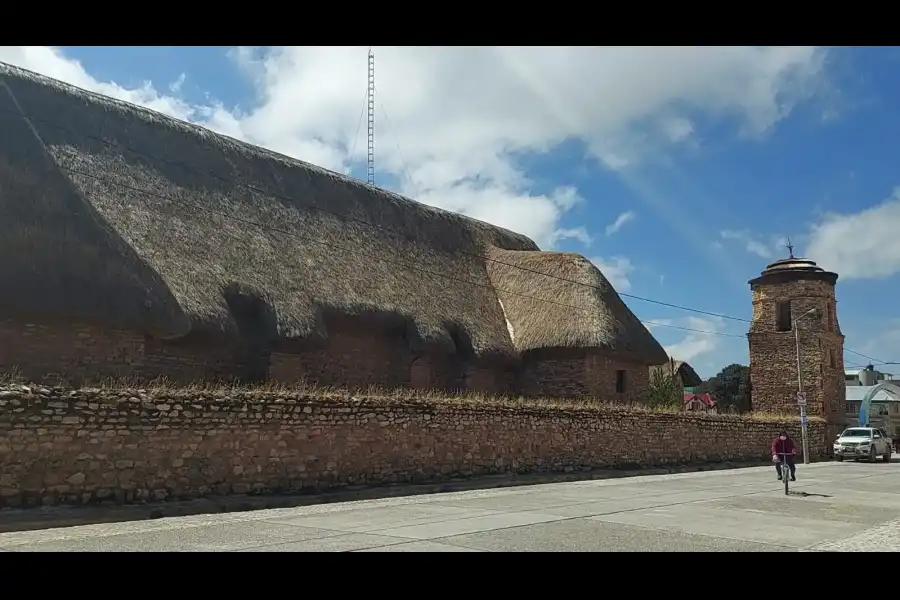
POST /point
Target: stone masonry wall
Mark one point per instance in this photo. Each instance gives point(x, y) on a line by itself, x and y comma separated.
point(576, 373)
point(83, 446)
point(189, 359)
point(349, 359)
point(773, 354)
point(68, 351)
point(349, 362)
point(81, 352)
point(602, 374)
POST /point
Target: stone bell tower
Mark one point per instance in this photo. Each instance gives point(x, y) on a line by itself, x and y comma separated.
point(790, 294)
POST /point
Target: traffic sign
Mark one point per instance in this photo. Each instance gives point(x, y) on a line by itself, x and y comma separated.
point(801, 398)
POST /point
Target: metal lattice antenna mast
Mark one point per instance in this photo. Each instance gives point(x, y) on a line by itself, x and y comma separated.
point(370, 101)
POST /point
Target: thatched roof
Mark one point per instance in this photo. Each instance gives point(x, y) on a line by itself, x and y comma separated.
point(114, 212)
point(689, 376)
point(585, 314)
point(117, 213)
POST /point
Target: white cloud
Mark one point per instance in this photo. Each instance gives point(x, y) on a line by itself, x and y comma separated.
point(768, 247)
point(859, 245)
point(576, 233)
point(462, 115)
point(750, 243)
point(694, 344)
point(616, 270)
point(881, 342)
point(175, 86)
point(620, 221)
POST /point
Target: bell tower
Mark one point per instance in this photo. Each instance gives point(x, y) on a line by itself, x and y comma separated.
point(795, 331)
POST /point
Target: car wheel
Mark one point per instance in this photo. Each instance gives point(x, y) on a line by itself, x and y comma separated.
point(839, 458)
point(887, 456)
point(872, 455)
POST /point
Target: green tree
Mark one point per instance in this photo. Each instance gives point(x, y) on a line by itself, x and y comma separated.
point(664, 391)
point(731, 388)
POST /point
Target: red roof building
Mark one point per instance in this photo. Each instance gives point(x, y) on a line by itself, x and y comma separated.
point(702, 402)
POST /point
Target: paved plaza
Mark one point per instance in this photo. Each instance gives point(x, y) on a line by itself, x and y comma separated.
point(837, 507)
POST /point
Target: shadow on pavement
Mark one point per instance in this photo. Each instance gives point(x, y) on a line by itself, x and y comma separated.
point(808, 494)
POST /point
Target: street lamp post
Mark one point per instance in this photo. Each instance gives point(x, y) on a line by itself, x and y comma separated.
point(805, 439)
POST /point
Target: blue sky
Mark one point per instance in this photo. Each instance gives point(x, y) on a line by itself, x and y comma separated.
point(680, 172)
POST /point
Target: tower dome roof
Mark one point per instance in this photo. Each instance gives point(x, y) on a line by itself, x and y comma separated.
point(794, 269)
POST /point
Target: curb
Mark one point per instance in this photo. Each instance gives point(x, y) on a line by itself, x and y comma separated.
point(12, 520)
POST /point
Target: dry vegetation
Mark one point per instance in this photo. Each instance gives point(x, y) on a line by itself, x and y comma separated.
point(163, 225)
point(373, 395)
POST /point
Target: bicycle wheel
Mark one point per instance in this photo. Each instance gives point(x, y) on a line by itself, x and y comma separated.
point(785, 474)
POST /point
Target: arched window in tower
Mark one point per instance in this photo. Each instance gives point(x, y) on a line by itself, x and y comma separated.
point(783, 316)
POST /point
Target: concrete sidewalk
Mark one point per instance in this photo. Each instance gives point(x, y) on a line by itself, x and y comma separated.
point(837, 507)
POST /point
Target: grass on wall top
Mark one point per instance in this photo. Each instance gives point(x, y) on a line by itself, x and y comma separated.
point(374, 395)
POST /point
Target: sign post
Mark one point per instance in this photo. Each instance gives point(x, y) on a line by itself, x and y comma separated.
point(801, 401)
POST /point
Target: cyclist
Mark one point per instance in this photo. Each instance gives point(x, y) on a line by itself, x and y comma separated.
point(783, 448)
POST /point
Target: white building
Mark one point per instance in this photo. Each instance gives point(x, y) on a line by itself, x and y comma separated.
point(884, 411)
point(856, 376)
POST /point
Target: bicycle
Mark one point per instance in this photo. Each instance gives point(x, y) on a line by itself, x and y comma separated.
point(785, 469)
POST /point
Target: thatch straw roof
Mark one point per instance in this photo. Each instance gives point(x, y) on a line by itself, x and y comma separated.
point(119, 214)
point(585, 314)
point(689, 377)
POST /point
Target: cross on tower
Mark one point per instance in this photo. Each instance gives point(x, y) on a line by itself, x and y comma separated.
point(790, 248)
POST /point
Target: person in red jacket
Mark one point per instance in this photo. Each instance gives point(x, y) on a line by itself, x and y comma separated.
point(783, 448)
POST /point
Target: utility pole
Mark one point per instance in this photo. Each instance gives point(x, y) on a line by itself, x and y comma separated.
point(801, 397)
point(370, 103)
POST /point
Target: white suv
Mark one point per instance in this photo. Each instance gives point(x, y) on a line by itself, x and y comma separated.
point(863, 442)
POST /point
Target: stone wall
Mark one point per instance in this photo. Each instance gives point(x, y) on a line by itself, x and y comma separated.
point(773, 353)
point(190, 359)
point(81, 352)
point(81, 446)
point(349, 362)
point(68, 351)
point(348, 359)
point(577, 372)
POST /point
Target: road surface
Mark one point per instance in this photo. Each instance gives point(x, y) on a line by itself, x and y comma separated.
point(838, 507)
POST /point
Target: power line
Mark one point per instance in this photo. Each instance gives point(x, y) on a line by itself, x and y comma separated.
point(632, 296)
point(399, 151)
point(296, 202)
point(350, 250)
point(886, 364)
point(874, 360)
point(623, 294)
point(359, 124)
point(348, 218)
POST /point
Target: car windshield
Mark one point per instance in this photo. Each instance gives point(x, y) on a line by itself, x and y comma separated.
point(857, 433)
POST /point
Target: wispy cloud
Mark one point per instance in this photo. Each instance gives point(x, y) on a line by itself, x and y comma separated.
point(694, 344)
point(616, 270)
point(882, 342)
point(752, 245)
point(461, 154)
point(575, 233)
point(860, 245)
point(620, 222)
